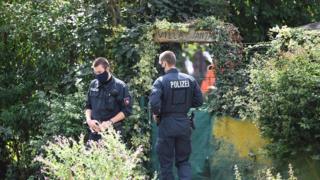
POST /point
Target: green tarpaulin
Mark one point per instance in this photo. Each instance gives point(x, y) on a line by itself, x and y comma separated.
point(213, 155)
point(220, 143)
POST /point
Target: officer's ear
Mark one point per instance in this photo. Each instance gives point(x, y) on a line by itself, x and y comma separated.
point(108, 69)
point(164, 64)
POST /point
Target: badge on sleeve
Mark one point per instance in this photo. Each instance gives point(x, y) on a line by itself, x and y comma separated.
point(126, 101)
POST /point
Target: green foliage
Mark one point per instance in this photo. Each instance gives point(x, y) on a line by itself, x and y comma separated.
point(165, 25)
point(145, 67)
point(184, 10)
point(125, 51)
point(285, 97)
point(230, 68)
point(49, 38)
point(44, 46)
point(26, 127)
point(267, 174)
point(19, 125)
point(136, 49)
point(109, 158)
point(66, 116)
point(254, 18)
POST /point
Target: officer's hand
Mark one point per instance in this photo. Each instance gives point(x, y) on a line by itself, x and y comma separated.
point(94, 125)
point(156, 118)
point(105, 125)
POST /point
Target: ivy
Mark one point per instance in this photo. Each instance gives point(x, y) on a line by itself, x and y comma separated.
point(164, 25)
point(283, 95)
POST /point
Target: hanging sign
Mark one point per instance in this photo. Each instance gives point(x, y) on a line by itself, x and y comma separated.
point(179, 36)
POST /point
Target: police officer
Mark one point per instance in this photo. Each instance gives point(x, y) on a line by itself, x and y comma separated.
point(171, 98)
point(108, 100)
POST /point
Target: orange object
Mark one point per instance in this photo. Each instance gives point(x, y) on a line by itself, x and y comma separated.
point(209, 80)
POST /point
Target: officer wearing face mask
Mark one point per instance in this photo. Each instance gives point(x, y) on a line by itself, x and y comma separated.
point(172, 96)
point(108, 101)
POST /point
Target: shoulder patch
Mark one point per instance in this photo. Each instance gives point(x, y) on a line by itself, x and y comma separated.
point(126, 101)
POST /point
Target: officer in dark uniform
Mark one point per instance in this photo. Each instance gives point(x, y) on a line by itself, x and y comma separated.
point(108, 100)
point(171, 98)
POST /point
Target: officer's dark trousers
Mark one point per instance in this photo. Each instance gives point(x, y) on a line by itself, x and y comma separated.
point(174, 144)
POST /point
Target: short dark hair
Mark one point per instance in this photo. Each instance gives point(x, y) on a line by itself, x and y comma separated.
point(169, 57)
point(100, 61)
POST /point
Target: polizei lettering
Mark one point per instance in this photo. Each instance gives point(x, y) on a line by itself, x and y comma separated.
point(180, 84)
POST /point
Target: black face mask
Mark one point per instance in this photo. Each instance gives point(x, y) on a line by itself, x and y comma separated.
point(103, 77)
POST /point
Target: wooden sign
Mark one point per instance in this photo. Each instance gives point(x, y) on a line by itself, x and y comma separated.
point(179, 36)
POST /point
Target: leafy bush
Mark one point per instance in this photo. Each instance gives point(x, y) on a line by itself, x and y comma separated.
point(66, 116)
point(285, 95)
point(267, 174)
point(107, 159)
point(20, 128)
point(255, 18)
point(43, 45)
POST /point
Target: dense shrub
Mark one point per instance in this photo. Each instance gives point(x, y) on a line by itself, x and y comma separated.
point(288, 94)
point(20, 132)
point(285, 95)
point(109, 158)
point(44, 47)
